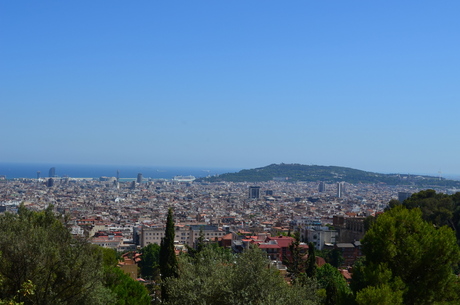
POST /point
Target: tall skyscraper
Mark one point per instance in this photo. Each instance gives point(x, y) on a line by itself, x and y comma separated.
point(118, 175)
point(38, 175)
point(340, 189)
point(139, 178)
point(52, 172)
point(254, 192)
point(50, 182)
point(403, 196)
point(322, 187)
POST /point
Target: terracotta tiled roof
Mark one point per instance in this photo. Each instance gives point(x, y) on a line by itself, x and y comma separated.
point(269, 246)
point(283, 241)
point(320, 261)
point(345, 274)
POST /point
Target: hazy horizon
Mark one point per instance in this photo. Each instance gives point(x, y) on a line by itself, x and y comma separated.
point(110, 169)
point(366, 85)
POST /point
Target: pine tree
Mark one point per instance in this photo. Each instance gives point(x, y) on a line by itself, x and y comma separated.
point(405, 253)
point(168, 259)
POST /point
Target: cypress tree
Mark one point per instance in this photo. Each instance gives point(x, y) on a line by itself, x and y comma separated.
point(295, 264)
point(331, 294)
point(168, 259)
point(311, 261)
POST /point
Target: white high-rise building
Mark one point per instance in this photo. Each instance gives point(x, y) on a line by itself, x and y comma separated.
point(340, 189)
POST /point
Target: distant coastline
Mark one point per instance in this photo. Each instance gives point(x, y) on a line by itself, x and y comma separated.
point(29, 170)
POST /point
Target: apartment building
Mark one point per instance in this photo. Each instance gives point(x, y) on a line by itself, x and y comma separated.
point(185, 234)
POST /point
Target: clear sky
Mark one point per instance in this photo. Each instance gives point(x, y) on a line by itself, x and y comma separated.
point(373, 85)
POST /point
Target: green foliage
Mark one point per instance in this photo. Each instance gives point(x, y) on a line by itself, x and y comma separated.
point(126, 290)
point(296, 265)
point(203, 279)
point(311, 261)
point(408, 254)
point(333, 257)
point(218, 277)
point(391, 204)
point(150, 261)
point(359, 280)
point(199, 245)
point(379, 295)
point(109, 257)
point(43, 264)
point(37, 247)
point(332, 295)
point(367, 275)
point(436, 207)
point(327, 274)
point(330, 174)
point(27, 289)
point(335, 285)
point(168, 259)
point(368, 222)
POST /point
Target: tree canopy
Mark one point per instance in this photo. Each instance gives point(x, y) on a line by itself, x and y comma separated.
point(334, 284)
point(36, 246)
point(410, 256)
point(329, 174)
point(41, 258)
point(219, 277)
point(150, 263)
point(437, 208)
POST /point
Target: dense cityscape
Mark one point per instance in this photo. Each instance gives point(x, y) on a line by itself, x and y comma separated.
point(107, 204)
point(229, 153)
point(123, 214)
point(129, 216)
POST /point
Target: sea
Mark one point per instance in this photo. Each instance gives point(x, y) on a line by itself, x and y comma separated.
point(29, 170)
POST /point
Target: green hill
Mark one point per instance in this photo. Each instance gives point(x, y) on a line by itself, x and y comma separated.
point(311, 173)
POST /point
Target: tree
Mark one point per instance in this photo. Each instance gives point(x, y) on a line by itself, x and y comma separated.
point(199, 245)
point(150, 260)
point(204, 279)
point(254, 281)
point(311, 261)
point(408, 254)
point(331, 280)
point(368, 222)
point(126, 290)
point(333, 257)
point(436, 207)
point(36, 247)
point(391, 204)
point(295, 263)
point(168, 259)
point(219, 277)
point(332, 294)
point(26, 290)
point(381, 295)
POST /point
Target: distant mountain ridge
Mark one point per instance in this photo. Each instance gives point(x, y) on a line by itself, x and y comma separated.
point(330, 174)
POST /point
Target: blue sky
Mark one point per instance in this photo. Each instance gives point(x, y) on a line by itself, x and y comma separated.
point(372, 85)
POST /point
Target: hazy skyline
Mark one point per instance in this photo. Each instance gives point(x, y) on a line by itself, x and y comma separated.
point(234, 84)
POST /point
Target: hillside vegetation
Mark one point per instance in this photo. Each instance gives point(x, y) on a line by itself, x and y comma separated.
point(311, 173)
